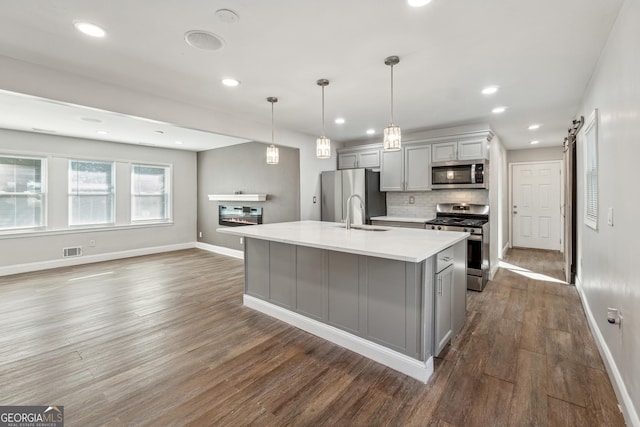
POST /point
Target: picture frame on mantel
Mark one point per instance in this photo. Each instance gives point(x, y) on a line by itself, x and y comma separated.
point(591, 171)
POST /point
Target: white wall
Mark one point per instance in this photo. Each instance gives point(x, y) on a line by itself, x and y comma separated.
point(44, 249)
point(498, 202)
point(608, 257)
point(22, 77)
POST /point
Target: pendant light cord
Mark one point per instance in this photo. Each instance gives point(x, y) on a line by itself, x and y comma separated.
point(323, 134)
point(391, 95)
point(272, 139)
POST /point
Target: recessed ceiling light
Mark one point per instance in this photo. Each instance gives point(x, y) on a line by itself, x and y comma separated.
point(43, 130)
point(371, 131)
point(102, 132)
point(227, 16)
point(534, 126)
point(90, 119)
point(89, 29)
point(534, 142)
point(203, 40)
point(230, 82)
point(490, 90)
point(339, 121)
point(499, 110)
point(418, 3)
point(179, 142)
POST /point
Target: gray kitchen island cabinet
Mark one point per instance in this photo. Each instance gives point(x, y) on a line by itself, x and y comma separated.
point(351, 288)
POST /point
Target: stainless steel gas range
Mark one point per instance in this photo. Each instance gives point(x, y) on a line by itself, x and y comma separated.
point(473, 219)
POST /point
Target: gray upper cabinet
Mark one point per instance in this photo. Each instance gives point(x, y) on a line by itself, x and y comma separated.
point(472, 149)
point(444, 151)
point(392, 171)
point(464, 149)
point(416, 167)
point(362, 158)
point(406, 169)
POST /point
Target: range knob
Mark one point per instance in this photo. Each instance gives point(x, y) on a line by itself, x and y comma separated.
point(465, 230)
point(439, 228)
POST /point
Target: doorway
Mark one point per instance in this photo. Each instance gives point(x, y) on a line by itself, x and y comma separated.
point(536, 198)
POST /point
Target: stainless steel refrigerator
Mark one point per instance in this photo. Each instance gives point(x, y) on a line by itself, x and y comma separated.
point(338, 186)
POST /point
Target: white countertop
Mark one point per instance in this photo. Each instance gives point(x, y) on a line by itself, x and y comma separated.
point(403, 244)
point(400, 219)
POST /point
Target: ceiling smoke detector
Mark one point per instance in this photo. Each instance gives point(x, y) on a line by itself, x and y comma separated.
point(203, 40)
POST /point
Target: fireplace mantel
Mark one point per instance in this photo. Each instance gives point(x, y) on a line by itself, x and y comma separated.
point(242, 197)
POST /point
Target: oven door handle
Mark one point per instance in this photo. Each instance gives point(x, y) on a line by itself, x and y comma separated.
point(475, 238)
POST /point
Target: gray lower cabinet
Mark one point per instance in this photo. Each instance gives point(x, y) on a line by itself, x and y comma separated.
point(378, 299)
point(443, 306)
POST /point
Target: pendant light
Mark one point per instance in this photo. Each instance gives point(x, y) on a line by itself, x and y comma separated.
point(323, 144)
point(392, 138)
point(273, 154)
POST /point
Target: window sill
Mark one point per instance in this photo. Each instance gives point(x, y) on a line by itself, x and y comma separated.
point(17, 234)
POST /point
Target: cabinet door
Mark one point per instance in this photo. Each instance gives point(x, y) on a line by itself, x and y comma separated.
point(444, 151)
point(416, 167)
point(391, 171)
point(347, 160)
point(443, 283)
point(369, 159)
point(472, 149)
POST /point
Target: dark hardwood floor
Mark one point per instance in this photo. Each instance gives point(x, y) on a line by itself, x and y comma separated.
point(164, 340)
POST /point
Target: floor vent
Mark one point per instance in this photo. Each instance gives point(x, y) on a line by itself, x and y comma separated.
point(70, 252)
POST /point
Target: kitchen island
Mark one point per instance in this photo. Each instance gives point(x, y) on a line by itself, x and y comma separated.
point(393, 295)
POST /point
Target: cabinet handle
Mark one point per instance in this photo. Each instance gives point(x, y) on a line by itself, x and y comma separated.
point(440, 286)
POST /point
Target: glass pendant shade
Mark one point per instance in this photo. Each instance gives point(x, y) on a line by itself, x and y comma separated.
point(392, 138)
point(273, 155)
point(323, 148)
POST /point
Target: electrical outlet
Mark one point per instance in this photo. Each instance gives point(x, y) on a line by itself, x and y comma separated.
point(200, 234)
point(412, 200)
point(92, 243)
point(610, 217)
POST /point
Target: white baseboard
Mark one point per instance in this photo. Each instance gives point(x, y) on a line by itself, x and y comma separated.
point(506, 248)
point(220, 250)
point(88, 259)
point(626, 404)
point(394, 360)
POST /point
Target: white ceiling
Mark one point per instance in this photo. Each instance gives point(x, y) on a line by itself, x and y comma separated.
point(541, 53)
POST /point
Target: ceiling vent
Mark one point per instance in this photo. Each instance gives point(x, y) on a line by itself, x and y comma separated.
point(203, 40)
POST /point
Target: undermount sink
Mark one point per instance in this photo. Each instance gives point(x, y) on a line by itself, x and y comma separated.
point(365, 227)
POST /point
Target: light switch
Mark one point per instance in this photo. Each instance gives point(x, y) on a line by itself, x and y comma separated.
point(610, 217)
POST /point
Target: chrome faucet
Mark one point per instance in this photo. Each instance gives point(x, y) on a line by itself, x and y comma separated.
point(348, 219)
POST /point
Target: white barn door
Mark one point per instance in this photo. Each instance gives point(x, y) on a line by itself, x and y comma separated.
point(535, 212)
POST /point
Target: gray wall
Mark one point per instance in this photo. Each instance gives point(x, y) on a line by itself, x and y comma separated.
point(46, 246)
point(535, 154)
point(608, 256)
point(243, 168)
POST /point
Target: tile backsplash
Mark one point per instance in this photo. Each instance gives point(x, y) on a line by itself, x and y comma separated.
point(425, 202)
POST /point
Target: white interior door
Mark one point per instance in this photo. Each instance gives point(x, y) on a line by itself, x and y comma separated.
point(536, 200)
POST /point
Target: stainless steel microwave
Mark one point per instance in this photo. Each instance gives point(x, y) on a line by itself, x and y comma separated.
point(459, 174)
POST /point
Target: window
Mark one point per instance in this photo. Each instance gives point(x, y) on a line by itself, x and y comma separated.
point(91, 192)
point(149, 193)
point(21, 192)
point(591, 171)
